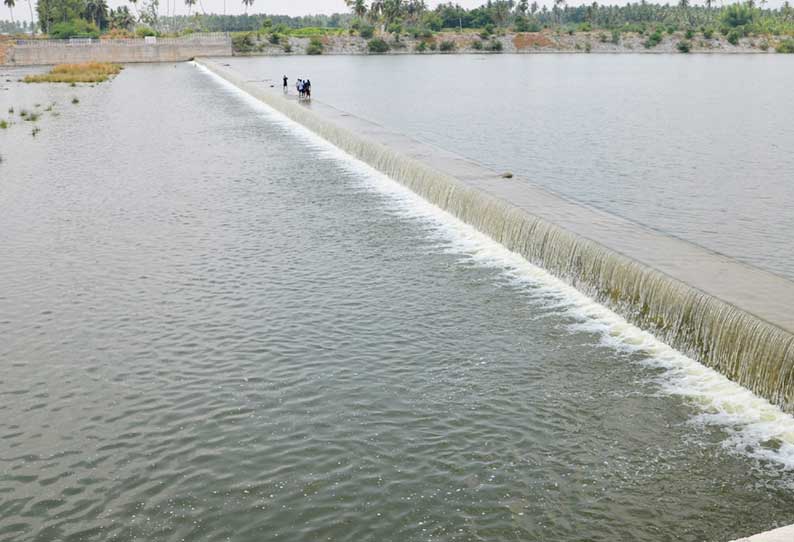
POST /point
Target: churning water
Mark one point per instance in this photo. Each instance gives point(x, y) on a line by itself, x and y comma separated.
point(216, 326)
point(697, 146)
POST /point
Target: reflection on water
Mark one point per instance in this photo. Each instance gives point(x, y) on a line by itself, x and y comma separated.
point(214, 327)
point(697, 146)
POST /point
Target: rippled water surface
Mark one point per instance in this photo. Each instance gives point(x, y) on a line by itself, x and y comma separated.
point(698, 146)
point(214, 327)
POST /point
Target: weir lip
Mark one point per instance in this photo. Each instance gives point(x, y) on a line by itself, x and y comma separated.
point(731, 316)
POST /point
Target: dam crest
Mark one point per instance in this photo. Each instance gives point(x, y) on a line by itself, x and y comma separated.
point(730, 316)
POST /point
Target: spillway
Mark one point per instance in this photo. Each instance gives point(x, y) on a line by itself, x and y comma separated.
point(730, 316)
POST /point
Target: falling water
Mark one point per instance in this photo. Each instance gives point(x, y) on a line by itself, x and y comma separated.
point(747, 349)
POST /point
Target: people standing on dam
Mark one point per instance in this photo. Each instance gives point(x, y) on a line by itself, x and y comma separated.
point(307, 89)
point(286, 81)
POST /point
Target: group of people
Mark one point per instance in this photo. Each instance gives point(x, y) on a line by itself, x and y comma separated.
point(304, 88)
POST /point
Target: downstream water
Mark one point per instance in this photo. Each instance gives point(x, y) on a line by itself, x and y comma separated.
point(700, 147)
point(214, 326)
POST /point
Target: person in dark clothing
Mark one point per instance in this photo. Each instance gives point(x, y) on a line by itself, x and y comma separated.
point(307, 88)
point(285, 83)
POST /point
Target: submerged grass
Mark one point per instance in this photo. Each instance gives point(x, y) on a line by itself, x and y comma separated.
point(86, 72)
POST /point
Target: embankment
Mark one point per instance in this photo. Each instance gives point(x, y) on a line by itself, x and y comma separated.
point(732, 317)
point(47, 52)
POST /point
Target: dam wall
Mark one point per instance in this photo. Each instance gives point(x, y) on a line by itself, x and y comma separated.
point(734, 318)
point(48, 52)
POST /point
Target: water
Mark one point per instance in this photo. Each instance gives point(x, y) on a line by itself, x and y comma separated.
point(216, 327)
point(699, 146)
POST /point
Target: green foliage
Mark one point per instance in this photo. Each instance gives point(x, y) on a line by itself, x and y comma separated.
point(689, 34)
point(421, 47)
point(738, 15)
point(602, 37)
point(734, 36)
point(786, 46)
point(432, 21)
point(615, 37)
point(3, 124)
point(477, 45)
point(447, 46)
point(367, 32)
point(494, 46)
point(315, 47)
point(521, 24)
point(310, 32)
point(243, 42)
point(287, 48)
point(76, 28)
point(585, 27)
point(653, 40)
point(708, 33)
point(378, 46)
point(274, 38)
point(684, 46)
point(145, 31)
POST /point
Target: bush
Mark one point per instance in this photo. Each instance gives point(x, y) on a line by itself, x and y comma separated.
point(738, 15)
point(477, 45)
point(447, 46)
point(764, 45)
point(433, 46)
point(786, 46)
point(287, 48)
point(315, 47)
point(585, 27)
point(734, 36)
point(602, 37)
point(76, 28)
point(275, 39)
point(615, 37)
point(653, 40)
point(433, 21)
point(534, 26)
point(367, 32)
point(684, 46)
point(689, 34)
point(522, 24)
point(243, 42)
point(377, 46)
point(145, 32)
point(421, 47)
point(495, 46)
point(708, 33)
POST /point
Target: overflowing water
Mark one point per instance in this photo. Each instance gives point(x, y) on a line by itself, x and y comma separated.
point(697, 146)
point(217, 326)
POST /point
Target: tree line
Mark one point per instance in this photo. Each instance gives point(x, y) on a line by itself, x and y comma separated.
point(68, 18)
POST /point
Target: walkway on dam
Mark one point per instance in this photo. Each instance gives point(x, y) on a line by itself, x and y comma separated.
point(753, 290)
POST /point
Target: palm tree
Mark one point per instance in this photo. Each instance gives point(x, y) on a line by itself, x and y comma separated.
point(191, 3)
point(558, 6)
point(375, 10)
point(10, 4)
point(247, 4)
point(358, 7)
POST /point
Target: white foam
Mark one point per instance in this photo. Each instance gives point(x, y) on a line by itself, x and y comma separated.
point(750, 421)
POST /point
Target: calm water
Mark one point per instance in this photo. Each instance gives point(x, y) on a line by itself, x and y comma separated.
point(216, 328)
point(700, 147)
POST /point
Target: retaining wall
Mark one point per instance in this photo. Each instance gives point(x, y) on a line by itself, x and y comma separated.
point(46, 52)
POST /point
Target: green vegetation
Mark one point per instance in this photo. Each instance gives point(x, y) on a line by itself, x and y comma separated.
point(3, 124)
point(76, 28)
point(684, 46)
point(786, 46)
point(447, 46)
point(75, 100)
point(653, 40)
point(315, 47)
point(378, 45)
point(87, 72)
point(494, 46)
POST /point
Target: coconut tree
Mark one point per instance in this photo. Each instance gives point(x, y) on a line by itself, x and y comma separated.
point(190, 4)
point(248, 4)
point(358, 7)
point(10, 4)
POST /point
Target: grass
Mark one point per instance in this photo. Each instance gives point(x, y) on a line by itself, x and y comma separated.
point(86, 72)
point(3, 124)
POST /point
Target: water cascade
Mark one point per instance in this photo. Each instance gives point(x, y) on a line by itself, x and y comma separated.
point(748, 349)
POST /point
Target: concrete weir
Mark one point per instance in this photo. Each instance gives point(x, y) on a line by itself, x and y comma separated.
point(730, 316)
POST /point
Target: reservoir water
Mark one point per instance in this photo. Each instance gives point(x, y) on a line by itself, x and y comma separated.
point(697, 146)
point(215, 326)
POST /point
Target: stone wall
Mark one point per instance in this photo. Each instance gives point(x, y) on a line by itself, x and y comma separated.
point(46, 52)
